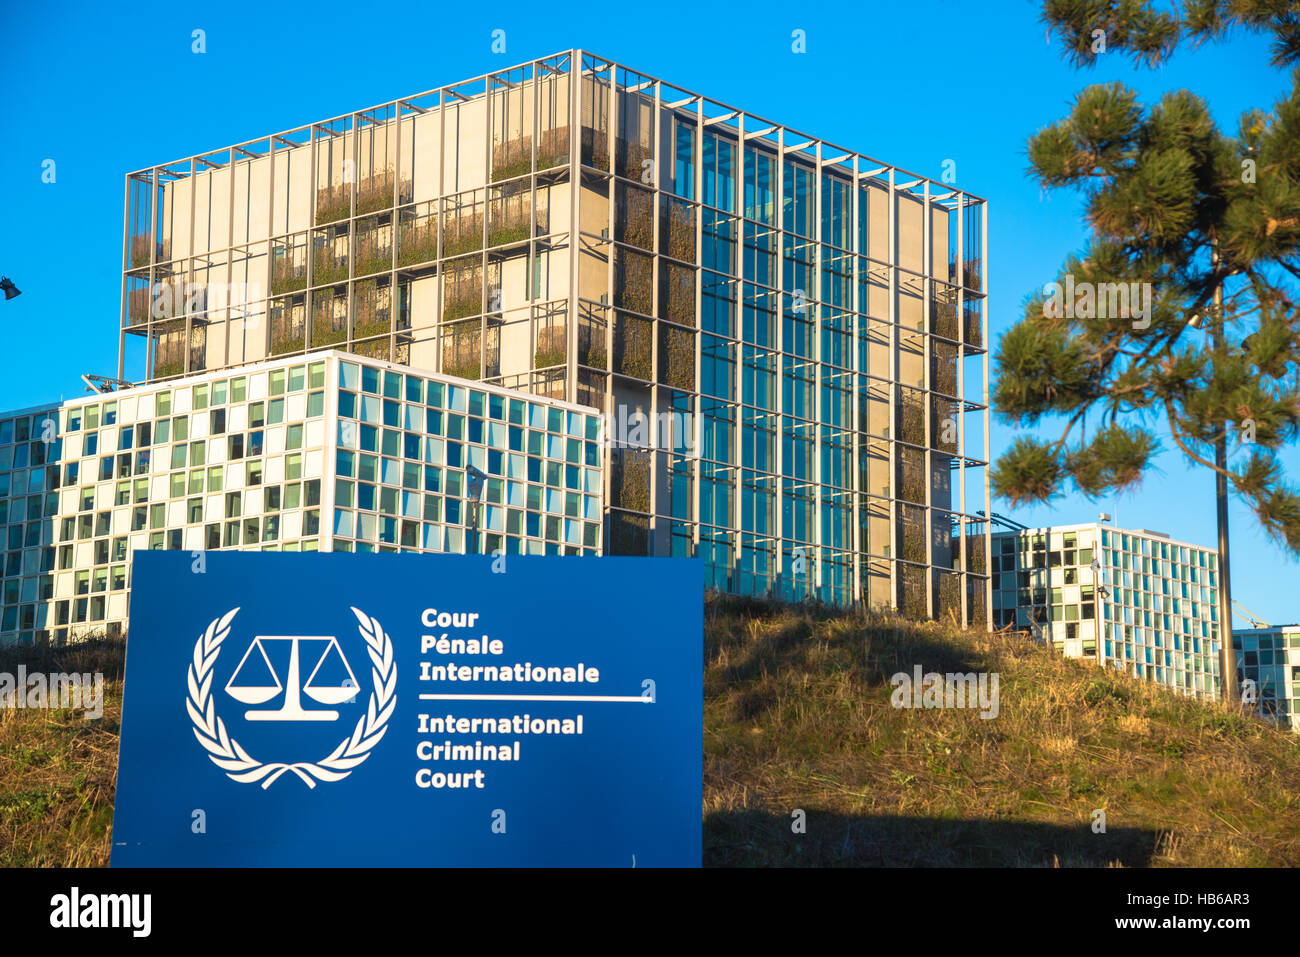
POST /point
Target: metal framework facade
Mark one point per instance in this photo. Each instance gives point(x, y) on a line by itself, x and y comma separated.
point(810, 321)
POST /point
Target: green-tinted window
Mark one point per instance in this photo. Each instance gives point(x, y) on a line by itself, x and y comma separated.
point(343, 493)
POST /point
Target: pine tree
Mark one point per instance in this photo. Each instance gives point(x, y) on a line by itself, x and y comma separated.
point(1193, 216)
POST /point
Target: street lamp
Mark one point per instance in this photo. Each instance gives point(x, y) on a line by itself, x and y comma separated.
point(10, 290)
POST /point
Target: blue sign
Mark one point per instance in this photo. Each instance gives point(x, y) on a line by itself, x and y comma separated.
point(411, 710)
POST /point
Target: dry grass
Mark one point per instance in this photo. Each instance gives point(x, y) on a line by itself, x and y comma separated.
point(58, 770)
point(797, 716)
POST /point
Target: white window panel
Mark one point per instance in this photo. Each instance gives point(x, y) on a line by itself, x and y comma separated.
point(257, 386)
point(116, 606)
point(313, 463)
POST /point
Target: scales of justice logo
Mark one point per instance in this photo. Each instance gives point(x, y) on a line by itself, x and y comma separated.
point(316, 671)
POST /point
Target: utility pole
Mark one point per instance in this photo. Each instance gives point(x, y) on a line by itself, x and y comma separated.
point(1227, 655)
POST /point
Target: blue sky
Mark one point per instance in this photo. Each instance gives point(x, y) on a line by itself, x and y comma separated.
point(914, 85)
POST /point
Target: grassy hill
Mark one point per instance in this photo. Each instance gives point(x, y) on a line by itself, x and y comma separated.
point(797, 716)
point(58, 770)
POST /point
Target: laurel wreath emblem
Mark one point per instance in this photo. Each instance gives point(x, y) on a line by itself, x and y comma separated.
point(226, 753)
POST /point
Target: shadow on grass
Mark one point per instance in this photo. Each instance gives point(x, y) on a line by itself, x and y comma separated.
point(763, 839)
point(748, 640)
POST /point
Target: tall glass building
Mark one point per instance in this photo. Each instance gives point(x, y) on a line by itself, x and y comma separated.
point(1132, 599)
point(786, 337)
point(330, 453)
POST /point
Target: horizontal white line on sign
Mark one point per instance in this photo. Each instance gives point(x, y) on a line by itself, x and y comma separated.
point(533, 697)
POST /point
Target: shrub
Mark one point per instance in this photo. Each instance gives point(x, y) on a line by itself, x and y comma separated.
point(911, 475)
point(632, 281)
point(463, 234)
point(595, 148)
point(325, 331)
point(551, 349)
point(679, 231)
point(462, 351)
point(943, 318)
point(505, 235)
point(371, 255)
point(677, 358)
point(518, 166)
point(631, 158)
point(418, 242)
point(632, 355)
point(629, 485)
point(635, 224)
point(329, 269)
point(677, 293)
point(974, 335)
point(911, 418)
point(140, 251)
